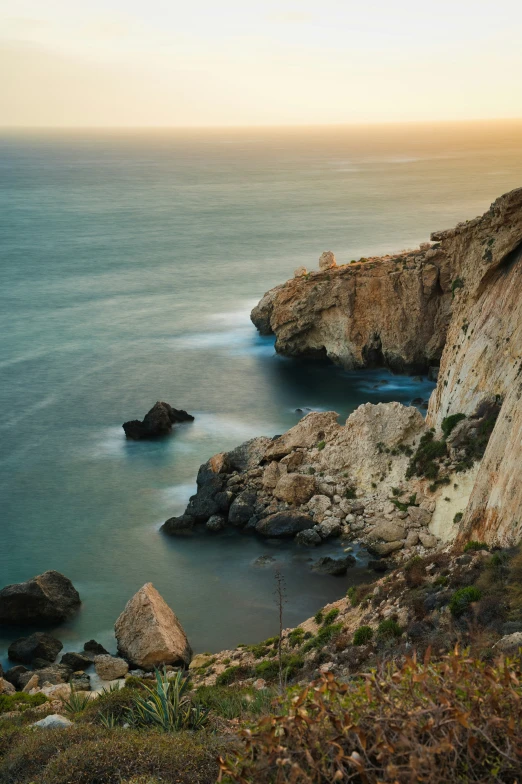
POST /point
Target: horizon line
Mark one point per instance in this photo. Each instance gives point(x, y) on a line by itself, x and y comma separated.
point(265, 126)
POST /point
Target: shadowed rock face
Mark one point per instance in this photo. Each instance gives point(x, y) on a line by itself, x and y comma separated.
point(48, 598)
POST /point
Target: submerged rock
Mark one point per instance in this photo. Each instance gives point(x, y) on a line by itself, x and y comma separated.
point(178, 526)
point(49, 597)
point(157, 422)
point(148, 632)
point(334, 566)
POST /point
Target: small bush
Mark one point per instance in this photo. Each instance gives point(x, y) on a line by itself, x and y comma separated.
point(357, 593)
point(458, 517)
point(232, 702)
point(388, 629)
point(458, 283)
point(269, 670)
point(110, 703)
point(232, 674)
point(423, 462)
point(449, 422)
point(321, 445)
point(296, 637)
point(362, 635)
point(323, 637)
point(330, 616)
point(462, 598)
point(20, 701)
point(258, 651)
point(318, 617)
point(350, 493)
point(475, 546)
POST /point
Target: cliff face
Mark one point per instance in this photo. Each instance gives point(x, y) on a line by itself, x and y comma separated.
point(459, 300)
point(390, 311)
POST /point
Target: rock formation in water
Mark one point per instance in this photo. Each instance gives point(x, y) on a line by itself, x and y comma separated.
point(157, 422)
point(457, 301)
point(48, 598)
point(148, 632)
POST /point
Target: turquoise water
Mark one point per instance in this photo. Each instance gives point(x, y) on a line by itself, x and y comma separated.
point(129, 263)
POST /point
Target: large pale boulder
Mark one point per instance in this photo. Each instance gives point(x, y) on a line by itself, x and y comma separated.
point(148, 632)
point(327, 260)
point(295, 488)
point(419, 516)
point(318, 505)
point(387, 532)
point(48, 597)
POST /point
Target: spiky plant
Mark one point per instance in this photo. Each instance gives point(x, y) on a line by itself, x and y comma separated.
point(167, 706)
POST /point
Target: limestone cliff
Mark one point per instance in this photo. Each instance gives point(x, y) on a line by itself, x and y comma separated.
point(460, 301)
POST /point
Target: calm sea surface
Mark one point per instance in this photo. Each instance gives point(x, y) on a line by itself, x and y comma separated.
point(129, 263)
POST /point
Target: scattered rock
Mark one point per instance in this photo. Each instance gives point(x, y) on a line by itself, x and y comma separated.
point(110, 667)
point(157, 422)
point(80, 681)
point(6, 687)
point(54, 721)
point(510, 643)
point(299, 272)
point(76, 661)
point(37, 645)
point(55, 674)
point(309, 537)
point(50, 597)
point(427, 540)
point(385, 548)
point(32, 682)
point(412, 539)
point(329, 528)
point(94, 648)
point(242, 509)
point(14, 674)
point(148, 632)
point(284, 524)
point(334, 566)
point(419, 516)
point(318, 505)
point(295, 488)
point(387, 532)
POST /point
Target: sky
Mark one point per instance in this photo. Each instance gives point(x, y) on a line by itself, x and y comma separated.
point(112, 63)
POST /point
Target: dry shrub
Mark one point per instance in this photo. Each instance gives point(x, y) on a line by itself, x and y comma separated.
point(456, 719)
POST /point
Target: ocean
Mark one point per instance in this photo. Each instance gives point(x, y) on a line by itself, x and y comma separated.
point(129, 263)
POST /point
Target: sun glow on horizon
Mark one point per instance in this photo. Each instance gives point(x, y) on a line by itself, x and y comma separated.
point(205, 64)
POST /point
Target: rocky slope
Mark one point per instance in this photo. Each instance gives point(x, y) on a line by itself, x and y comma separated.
point(457, 300)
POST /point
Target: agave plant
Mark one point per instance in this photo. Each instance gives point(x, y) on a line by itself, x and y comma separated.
point(108, 720)
point(76, 702)
point(167, 706)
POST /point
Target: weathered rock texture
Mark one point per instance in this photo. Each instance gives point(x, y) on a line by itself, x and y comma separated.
point(50, 597)
point(149, 633)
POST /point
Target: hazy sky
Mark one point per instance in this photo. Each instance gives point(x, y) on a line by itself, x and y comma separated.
point(238, 62)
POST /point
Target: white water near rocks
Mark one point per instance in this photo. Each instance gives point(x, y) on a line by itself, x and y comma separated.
point(129, 265)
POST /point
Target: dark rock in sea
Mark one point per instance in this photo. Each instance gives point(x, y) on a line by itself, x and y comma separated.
point(178, 526)
point(39, 664)
point(264, 560)
point(80, 681)
point(77, 661)
point(216, 523)
point(309, 537)
point(93, 648)
point(157, 422)
point(56, 673)
point(284, 524)
point(334, 566)
point(14, 674)
point(242, 508)
point(48, 598)
point(38, 645)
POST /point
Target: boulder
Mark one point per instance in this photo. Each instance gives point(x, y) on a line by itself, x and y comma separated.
point(327, 260)
point(412, 539)
point(248, 455)
point(216, 523)
point(387, 532)
point(178, 526)
point(157, 422)
point(309, 538)
point(383, 549)
point(273, 473)
point(292, 461)
point(220, 464)
point(14, 674)
point(31, 683)
point(37, 645)
point(54, 674)
point(108, 667)
point(284, 524)
point(80, 681)
point(329, 527)
point(93, 648)
point(318, 505)
point(211, 497)
point(419, 516)
point(6, 687)
point(509, 644)
point(148, 632)
point(427, 540)
point(48, 598)
point(54, 721)
point(242, 508)
point(299, 272)
point(334, 566)
point(76, 661)
point(295, 489)
point(309, 431)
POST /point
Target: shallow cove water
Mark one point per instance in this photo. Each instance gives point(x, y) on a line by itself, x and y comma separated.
point(129, 266)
